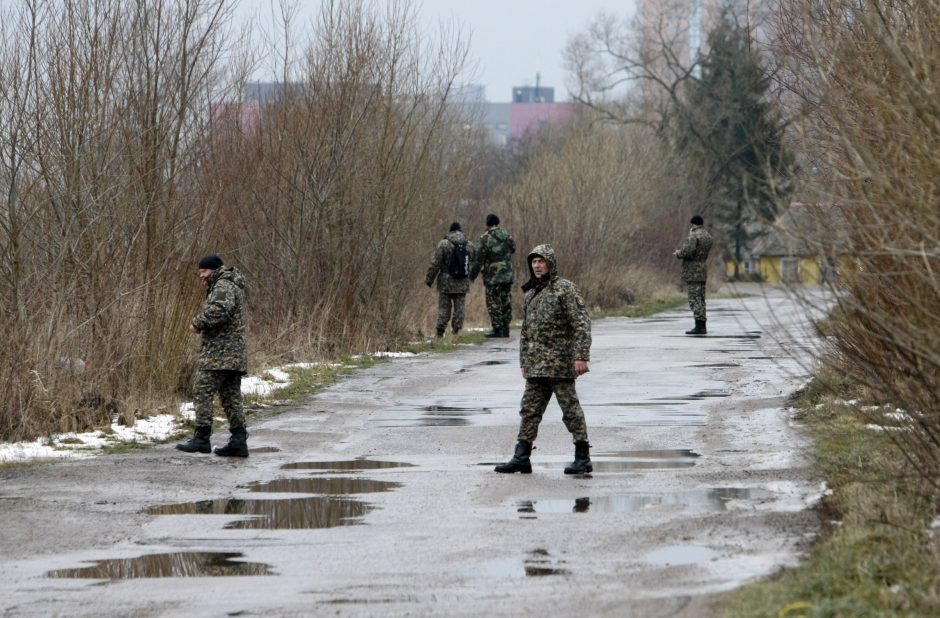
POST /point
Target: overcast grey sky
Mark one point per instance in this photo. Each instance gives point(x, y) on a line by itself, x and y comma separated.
point(511, 40)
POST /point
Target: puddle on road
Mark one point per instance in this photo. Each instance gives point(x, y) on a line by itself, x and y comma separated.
point(623, 461)
point(705, 394)
point(430, 416)
point(323, 485)
point(696, 501)
point(264, 449)
point(660, 412)
point(538, 563)
point(718, 365)
point(676, 555)
point(180, 564)
point(284, 514)
point(353, 465)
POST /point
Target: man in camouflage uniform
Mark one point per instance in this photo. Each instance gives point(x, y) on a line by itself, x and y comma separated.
point(694, 256)
point(223, 359)
point(451, 291)
point(554, 349)
point(494, 255)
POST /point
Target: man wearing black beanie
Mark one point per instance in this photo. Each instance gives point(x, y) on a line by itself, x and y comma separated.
point(694, 256)
point(223, 357)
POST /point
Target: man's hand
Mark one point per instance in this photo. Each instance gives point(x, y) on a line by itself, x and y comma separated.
point(523, 371)
point(580, 367)
point(193, 329)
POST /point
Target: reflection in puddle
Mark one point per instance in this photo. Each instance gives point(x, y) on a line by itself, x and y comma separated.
point(286, 514)
point(696, 501)
point(620, 461)
point(353, 464)
point(331, 486)
point(180, 564)
point(264, 449)
point(680, 554)
point(719, 365)
point(538, 563)
point(430, 416)
point(705, 394)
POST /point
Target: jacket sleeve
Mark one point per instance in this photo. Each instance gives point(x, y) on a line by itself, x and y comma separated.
point(687, 250)
point(476, 252)
point(218, 308)
point(576, 309)
point(437, 260)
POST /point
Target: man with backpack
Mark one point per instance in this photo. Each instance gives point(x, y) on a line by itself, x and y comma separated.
point(494, 252)
point(452, 266)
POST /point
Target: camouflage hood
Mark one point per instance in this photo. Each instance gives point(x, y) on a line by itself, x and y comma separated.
point(456, 237)
point(547, 253)
point(228, 273)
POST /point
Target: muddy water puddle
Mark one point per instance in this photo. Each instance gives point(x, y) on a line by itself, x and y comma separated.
point(436, 415)
point(264, 449)
point(323, 485)
point(350, 465)
point(179, 564)
point(537, 563)
point(713, 500)
point(279, 514)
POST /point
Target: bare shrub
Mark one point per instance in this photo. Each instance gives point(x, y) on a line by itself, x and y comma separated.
point(867, 76)
point(612, 200)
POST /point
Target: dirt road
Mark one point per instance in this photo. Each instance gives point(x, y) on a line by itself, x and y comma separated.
point(377, 497)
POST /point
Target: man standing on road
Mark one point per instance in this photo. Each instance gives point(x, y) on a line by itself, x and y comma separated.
point(554, 349)
point(223, 359)
point(451, 265)
point(694, 256)
point(494, 253)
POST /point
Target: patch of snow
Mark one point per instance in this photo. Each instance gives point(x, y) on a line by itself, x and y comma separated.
point(393, 354)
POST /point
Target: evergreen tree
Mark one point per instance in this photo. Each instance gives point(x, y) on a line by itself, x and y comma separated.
point(728, 124)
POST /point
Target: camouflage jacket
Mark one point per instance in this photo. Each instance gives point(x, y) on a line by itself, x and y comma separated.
point(441, 258)
point(556, 329)
point(694, 255)
point(221, 322)
point(494, 254)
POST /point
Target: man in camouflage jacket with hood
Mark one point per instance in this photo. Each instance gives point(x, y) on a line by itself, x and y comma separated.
point(494, 255)
point(554, 350)
point(694, 256)
point(451, 291)
point(223, 358)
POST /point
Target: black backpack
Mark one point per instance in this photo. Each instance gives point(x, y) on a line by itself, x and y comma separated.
point(459, 265)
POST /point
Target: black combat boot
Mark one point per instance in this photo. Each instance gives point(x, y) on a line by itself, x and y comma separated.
point(504, 331)
point(582, 459)
point(199, 442)
point(699, 328)
point(520, 461)
point(237, 445)
point(493, 333)
point(440, 333)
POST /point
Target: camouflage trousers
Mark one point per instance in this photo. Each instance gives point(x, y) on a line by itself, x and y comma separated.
point(499, 305)
point(697, 299)
point(538, 392)
point(445, 304)
point(228, 384)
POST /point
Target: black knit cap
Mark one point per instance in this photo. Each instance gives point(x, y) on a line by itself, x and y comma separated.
point(491, 220)
point(455, 226)
point(697, 220)
point(212, 261)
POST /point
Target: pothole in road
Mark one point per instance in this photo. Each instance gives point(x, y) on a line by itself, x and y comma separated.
point(430, 416)
point(323, 485)
point(621, 461)
point(696, 501)
point(353, 465)
point(284, 514)
point(537, 563)
point(179, 564)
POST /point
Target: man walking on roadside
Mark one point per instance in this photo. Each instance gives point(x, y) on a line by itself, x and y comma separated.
point(451, 265)
point(494, 253)
point(223, 358)
point(694, 256)
point(554, 350)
